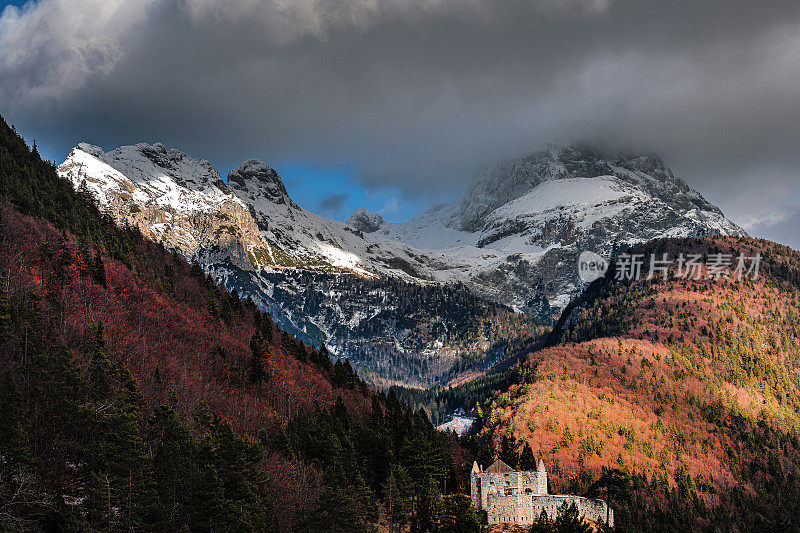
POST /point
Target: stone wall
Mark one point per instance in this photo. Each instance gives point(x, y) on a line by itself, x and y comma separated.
point(523, 509)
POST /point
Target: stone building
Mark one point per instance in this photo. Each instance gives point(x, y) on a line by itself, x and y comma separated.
point(511, 497)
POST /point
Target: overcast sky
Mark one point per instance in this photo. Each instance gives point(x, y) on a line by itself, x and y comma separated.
point(394, 104)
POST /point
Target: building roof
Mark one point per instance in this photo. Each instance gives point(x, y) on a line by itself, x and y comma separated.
point(499, 467)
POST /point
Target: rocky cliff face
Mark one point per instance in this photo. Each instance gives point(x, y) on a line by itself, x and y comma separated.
point(174, 199)
point(183, 203)
point(514, 239)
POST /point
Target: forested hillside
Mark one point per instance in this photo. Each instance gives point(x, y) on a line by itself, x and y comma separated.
point(676, 400)
point(137, 395)
point(393, 331)
point(468, 396)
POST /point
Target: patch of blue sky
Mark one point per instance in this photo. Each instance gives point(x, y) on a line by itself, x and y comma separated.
point(311, 185)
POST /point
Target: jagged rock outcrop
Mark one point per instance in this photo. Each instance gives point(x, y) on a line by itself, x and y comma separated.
point(365, 220)
point(174, 199)
point(256, 179)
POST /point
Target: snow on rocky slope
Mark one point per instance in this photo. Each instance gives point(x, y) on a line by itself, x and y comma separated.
point(183, 202)
point(516, 235)
point(321, 279)
point(513, 239)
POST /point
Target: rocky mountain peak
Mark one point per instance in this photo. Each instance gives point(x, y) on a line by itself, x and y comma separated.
point(365, 220)
point(259, 179)
point(143, 162)
point(512, 179)
point(189, 172)
point(89, 149)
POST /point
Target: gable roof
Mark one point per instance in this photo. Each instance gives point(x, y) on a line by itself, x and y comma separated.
point(499, 467)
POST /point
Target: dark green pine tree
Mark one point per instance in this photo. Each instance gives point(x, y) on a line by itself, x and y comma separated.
point(294, 347)
point(5, 309)
point(23, 498)
point(266, 326)
point(258, 355)
point(99, 269)
point(231, 495)
point(543, 524)
point(428, 508)
point(63, 261)
point(99, 364)
point(175, 466)
point(458, 515)
point(335, 513)
point(526, 460)
point(118, 477)
point(398, 490)
point(14, 446)
point(322, 358)
point(568, 520)
point(343, 375)
point(209, 506)
point(325, 358)
point(508, 451)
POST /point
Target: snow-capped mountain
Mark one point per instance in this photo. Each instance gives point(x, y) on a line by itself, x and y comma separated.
point(321, 279)
point(513, 240)
point(172, 198)
point(516, 235)
point(183, 202)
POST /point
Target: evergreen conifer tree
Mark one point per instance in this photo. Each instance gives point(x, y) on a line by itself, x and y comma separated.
point(508, 450)
point(258, 353)
point(5, 309)
point(526, 460)
point(458, 515)
point(568, 520)
point(99, 269)
point(14, 446)
point(428, 508)
point(397, 492)
point(543, 524)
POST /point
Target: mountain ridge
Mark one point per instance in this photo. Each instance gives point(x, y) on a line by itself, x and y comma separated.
point(252, 236)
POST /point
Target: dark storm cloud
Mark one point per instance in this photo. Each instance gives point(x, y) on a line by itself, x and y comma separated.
point(417, 94)
point(333, 204)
